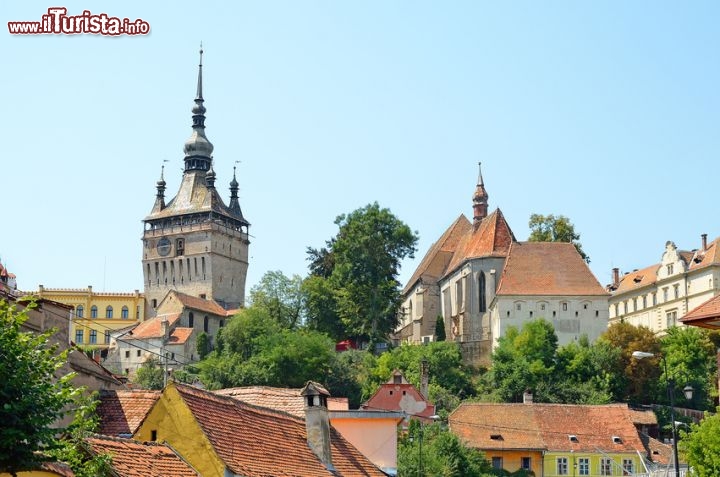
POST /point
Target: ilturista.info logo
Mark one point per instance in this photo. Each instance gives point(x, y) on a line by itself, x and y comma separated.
point(57, 22)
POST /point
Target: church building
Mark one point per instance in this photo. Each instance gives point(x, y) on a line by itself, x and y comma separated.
point(194, 243)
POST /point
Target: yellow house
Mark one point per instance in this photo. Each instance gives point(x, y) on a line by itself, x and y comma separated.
point(97, 315)
point(47, 469)
point(223, 437)
point(553, 440)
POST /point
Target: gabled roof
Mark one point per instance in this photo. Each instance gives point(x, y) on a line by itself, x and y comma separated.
point(547, 427)
point(258, 442)
point(122, 412)
point(547, 268)
point(437, 258)
point(152, 328)
point(707, 257)
point(180, 336)
point(637, 279)
point(400, 397)
point(287, 400)
point(135, 459)
point(201, 304)
point(707, 315)
point(490, 238)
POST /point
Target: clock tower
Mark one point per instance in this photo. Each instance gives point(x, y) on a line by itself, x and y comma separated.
point(194, 243)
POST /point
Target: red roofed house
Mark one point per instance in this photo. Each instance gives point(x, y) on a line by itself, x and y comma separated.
point(657, 296)
point(461, 276)
point(122, 412)
point(223, 437)
point(399, 395)
point(172, 332)
point(553, 439)
point(141, 459)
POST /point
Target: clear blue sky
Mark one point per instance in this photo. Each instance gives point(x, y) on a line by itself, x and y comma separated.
point(606, 112)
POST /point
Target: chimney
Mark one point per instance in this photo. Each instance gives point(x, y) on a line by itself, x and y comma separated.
point(704, 242)
point(317, 422)
point(165, 327)
point(615, 276)
point(527, 397)
point(424, 377)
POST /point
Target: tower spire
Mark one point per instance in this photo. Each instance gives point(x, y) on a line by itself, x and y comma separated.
point(480, 198)
point(234, 186)
point(160, 197)
point(198, 149)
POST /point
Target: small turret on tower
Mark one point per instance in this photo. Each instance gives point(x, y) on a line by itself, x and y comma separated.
point(480, 199)
point(160, 197)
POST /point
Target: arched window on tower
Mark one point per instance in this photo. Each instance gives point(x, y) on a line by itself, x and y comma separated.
point(481, 293)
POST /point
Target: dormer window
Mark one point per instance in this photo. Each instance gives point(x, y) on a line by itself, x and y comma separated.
point(496, 437)
point(617, 440)
point(573, 438)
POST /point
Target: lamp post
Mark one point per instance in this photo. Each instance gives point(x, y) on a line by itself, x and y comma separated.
point(670, 383)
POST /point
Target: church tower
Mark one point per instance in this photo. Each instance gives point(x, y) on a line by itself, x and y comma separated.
point(480, 199)
point(194, 243)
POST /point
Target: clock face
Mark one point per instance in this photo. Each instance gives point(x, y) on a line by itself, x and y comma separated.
point(163, 246)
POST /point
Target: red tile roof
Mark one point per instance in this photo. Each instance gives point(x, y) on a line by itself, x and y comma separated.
point(707, 315)
point(201, 304)
point(400, 397)
point(547, 268)
point(148, 459)
point(121, 412)
point(180, 335)
point(546, 427)
point(152, 328)
point(271, 442)
point(287, 400)
point(437, 258)
point(490, 238)
point(637, 279)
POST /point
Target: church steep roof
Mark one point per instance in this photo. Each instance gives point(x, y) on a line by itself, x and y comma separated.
point(547, 268)
point(490, 238)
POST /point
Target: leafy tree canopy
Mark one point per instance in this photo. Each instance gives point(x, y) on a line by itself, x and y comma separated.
point(361, 264)
point(701, 446)
point(690, 357)
point(555, 228)
point(150, 374)
point(31, 396)
point(281, 297)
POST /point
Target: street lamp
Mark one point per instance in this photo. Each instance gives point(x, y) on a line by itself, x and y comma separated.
point(670, 383)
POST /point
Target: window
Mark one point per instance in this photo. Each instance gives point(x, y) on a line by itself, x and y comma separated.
point(676, 291)
point(137, 312)
point(628, 467)
point(497, 463)
point(206, 324)
point(222, 323)
point(79, 311)
point(180, 246)
point(584, 466)
point(644, 301)
point(669, 267)
point(124, 313)
point(127, 354)
point(562, 466)
point(605, 466)
point(481, 293)
point(410, 310)
point(542, 306)
point(654, 298)
point(93, 337)
point(78, 336)
point(93, 311)
point(107, 336)
point(525, 463)
point(617, 309)
point(153, 435)
point(665, 294)
point(191, 320)
point(154, 303)
point(518, 306)
point(459, 295)
point(109, 312)
point(625, 308)
point(564, 306)
point(138, 353)
point(671, 317)
point(635, 304)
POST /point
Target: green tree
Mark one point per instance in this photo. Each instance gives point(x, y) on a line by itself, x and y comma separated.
point(322, 314)
point(32, 397)
point(203, 345)
point(524, 359)
point(585, 373)
point(690, 358)
point(636, 380)
point(365, 257)
point(701, 446)
point(281, 296)
point(432, 450)
point(440, 329)
point(150, 374)
point(555, 228)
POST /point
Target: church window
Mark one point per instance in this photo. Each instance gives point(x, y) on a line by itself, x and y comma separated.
point(180, 247)
point(109, 312)
point(481, 293)
point(564, 306)
point(93, 337)
point(206, 324)
point(124, 313)
point(518, 306)
point(93, 311)
point(191, 320)
point(79, 311)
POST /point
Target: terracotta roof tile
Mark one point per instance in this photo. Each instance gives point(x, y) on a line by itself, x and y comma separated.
point(287, 400)
point(152, 328)
point(134, 459)
point(201, 304)
point(180, 335)
point(705, 258)
point(546, 427)
point(491, 238)
point(437, 258)
point(547, 268)
point(400, 397)
point(121, 412)
point(707, 315)
point(272, 442)
point(637, 279)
